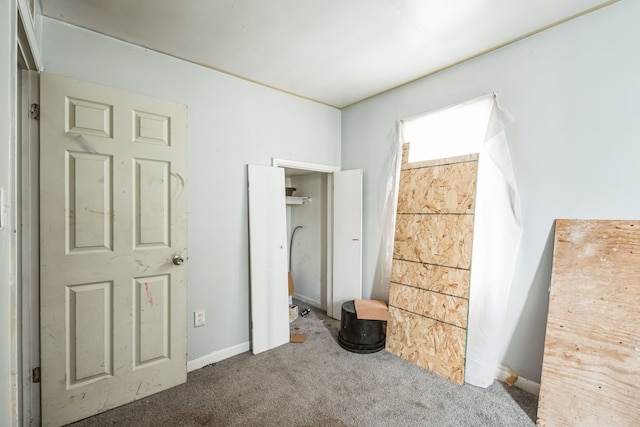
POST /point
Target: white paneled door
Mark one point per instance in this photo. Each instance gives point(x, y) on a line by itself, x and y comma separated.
point(268, 258)
point(113, 217)
point(347, 238)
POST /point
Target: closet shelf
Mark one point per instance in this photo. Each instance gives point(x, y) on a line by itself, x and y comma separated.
point(297, 200)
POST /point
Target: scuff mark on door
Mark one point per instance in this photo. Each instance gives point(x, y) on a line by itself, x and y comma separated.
point(149, 296)
point(142, 265)
point(180, 184)
point(83, 143)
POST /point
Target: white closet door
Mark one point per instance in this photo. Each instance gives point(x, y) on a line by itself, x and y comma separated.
point(347, 238)
point(268, 253)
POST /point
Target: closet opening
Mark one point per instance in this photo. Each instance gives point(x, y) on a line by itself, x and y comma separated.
point(326, 260)
point(308, 232)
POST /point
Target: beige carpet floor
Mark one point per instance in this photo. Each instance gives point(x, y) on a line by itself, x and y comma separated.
point(317, 383)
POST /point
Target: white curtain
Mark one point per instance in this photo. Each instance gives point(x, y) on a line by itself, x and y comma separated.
point(496, 238)
point(497, 227)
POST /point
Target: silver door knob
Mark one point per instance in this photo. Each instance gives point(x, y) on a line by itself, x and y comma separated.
point(178, 260)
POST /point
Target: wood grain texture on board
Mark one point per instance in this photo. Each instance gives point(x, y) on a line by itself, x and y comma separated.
point(434, 162)
point(429, 294)
point(433, 345)
point(434, 239)
point(591, 367)
point(436, 278)
point(445, 308)
point(448, 188)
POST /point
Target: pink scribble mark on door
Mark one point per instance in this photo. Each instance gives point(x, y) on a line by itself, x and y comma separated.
point(149, 296)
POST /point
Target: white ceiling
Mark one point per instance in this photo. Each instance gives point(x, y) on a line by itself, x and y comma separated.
point(337, 52)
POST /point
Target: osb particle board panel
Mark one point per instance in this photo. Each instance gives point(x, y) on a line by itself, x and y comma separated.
point(435, 162)
point(431, 263)
point(445, 308)
point(434, 239)
point(427, 343)
point(436, 278)
point(591, 367)
point(449, 188)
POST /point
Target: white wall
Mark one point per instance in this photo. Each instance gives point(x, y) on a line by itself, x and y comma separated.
point(574, 93)
point(308, 263)
point(231, 123)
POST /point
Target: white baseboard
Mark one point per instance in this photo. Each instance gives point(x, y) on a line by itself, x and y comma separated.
point(217, 356)
point(310, 301)
point(522, 383)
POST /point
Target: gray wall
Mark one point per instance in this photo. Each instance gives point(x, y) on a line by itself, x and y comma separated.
point(309, 262)
point(574, 92)
point(231, 123)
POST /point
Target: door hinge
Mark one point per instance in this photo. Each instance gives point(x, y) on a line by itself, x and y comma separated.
point(35, 375)
point(34, 111)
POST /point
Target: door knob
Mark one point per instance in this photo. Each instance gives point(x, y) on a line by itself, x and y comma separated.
point(178, 260)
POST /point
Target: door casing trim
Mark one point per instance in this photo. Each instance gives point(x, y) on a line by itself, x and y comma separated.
point(329, 170)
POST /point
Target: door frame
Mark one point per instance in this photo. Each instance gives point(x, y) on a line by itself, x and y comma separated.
point(29, 251)
point(27, 345)
point(329, 170)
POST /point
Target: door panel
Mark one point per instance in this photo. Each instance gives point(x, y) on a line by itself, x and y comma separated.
point(151, 319)
point(88, 190)
point(268, 254)
point(151, 190)
point(90, 333)
point(113, 215)
point(347, 238)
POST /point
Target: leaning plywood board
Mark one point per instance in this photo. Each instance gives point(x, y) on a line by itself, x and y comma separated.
point(438, 187)
point(428, 343)
point(436, 278)
point(429, 294)
point(437, 306)
point(436, 239)
point(591, 368)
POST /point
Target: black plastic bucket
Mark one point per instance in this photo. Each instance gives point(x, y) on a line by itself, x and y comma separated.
point(357, 335)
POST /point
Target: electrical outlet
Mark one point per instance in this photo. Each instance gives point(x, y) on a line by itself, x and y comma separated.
point(198, 318)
